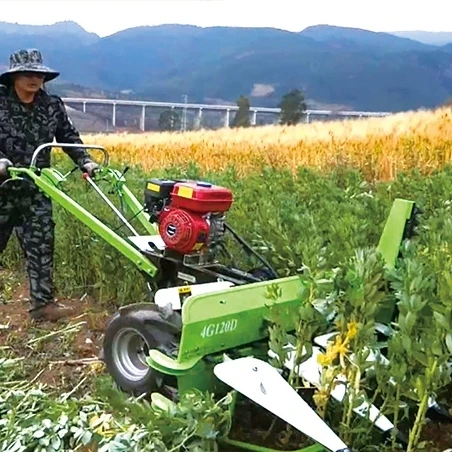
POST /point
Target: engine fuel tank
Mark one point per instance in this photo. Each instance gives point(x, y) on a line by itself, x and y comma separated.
point(201, 197)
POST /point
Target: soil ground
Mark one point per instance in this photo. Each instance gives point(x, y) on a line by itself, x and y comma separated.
point(65, 356)
point(59, 355)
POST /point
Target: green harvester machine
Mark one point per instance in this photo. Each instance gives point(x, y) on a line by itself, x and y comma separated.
point(205, 325)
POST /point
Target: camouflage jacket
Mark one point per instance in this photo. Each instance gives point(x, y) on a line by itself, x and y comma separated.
point(23, 129)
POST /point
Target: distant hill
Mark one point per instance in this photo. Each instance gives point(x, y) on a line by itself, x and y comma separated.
point(360, 39)
point(427, 37)
point(55, 30)
point(347, 67)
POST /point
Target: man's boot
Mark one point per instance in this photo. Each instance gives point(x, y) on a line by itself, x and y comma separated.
point(51, 312)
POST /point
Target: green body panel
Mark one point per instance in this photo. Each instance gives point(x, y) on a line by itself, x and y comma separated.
point(235, 317)
point(236, 320)
point(193, 374)
point(389, 246)
point(391, 237)
point(203, 379)
point(230, 318)
point(197, 372)
point(49, 181)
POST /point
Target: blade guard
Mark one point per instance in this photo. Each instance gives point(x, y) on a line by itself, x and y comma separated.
point(263, 384)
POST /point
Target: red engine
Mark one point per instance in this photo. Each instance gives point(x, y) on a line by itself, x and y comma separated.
point(183, 231)
point(191, 216)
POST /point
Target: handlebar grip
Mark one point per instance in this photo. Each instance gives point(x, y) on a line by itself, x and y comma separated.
point(40, 148)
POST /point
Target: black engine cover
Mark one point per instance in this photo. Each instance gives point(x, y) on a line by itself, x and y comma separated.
point(157, 189)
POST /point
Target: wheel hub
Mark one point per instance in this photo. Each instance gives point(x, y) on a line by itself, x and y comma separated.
point(129, 352)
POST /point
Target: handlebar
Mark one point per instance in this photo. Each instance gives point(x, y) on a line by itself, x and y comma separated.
point(38, 150)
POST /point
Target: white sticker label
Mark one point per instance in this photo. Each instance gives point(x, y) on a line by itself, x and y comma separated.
point(214, 329)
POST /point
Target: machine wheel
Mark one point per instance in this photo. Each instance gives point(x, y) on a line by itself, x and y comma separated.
point(127, 341)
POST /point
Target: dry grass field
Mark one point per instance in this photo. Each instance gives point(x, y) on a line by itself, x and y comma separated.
point(380, 147)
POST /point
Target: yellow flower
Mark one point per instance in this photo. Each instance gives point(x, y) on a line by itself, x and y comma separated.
point(320, 398)
point(326, 359)
point(338, 349)
point(352, 330)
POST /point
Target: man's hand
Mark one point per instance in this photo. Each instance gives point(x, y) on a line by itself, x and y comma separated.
point(89, 167)
point(4, 165)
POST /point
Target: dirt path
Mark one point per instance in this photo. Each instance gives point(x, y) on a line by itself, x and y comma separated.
point(56, 354)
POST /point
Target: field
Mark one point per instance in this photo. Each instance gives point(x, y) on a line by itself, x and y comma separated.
point(379, 147)
point(318, 196)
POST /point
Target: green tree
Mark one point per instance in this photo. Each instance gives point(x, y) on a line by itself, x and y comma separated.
point(169, 120)
point(292, 107)
point(242, 117)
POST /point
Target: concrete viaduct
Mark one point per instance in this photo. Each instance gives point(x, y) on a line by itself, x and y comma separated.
point(227, 109)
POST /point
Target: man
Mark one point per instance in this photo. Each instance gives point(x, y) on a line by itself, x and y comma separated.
point(30, 117)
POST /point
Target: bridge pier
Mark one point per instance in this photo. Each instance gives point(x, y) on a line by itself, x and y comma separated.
point(198, 119)
point(113, 118)
point(227, 118)
point(254, 118)
point(143, 119)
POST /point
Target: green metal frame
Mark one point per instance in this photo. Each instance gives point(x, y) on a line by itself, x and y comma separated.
point(236, 318)
point(50, 180)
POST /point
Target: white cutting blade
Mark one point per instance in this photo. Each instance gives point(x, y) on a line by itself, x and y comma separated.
point(263, 384)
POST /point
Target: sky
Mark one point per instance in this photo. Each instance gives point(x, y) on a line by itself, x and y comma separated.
point(375, 15)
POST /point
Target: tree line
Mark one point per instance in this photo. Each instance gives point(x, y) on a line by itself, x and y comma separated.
point(292, 105)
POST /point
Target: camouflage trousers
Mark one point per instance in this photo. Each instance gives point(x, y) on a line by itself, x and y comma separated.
point(29, 213)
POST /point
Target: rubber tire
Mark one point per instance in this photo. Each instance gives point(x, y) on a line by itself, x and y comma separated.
point(156, 337)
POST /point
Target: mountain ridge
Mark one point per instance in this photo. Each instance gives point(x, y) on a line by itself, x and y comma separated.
point(60, 28)
point(439, 38)
point(350, 67)
point(326, 32)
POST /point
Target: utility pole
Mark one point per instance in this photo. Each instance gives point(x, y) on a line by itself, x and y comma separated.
point(184, 113)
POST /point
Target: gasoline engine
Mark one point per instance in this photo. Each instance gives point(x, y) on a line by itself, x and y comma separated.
point(190, 215)
point(191, 222)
